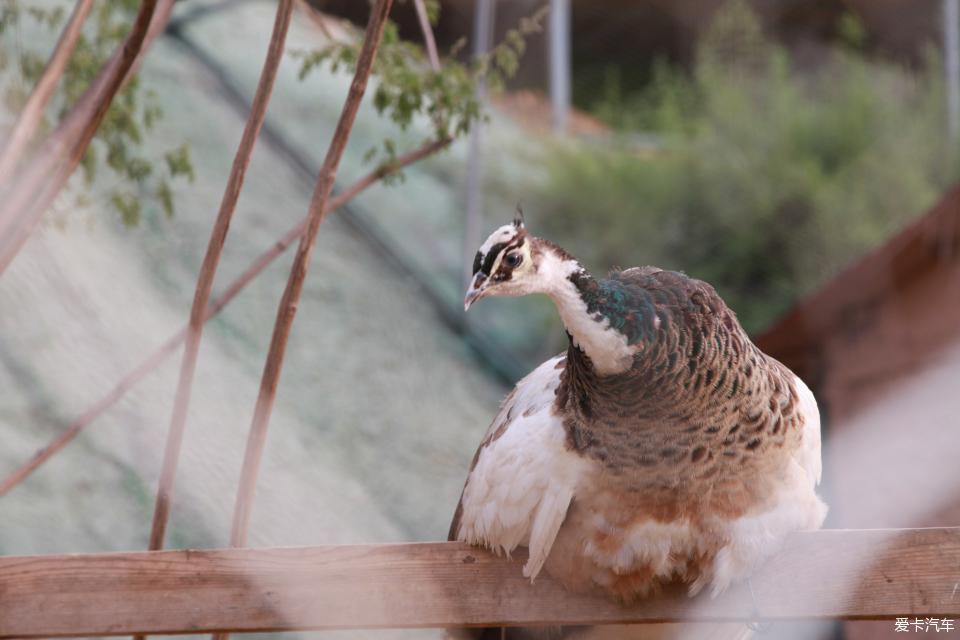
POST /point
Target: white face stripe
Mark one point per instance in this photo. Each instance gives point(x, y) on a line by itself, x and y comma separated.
point(503, 234)
point(496, 242)
point(496, 264)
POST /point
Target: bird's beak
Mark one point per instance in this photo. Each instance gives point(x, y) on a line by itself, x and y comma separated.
point(475, 292)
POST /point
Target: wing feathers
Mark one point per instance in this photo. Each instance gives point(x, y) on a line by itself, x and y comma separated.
point(523, 477)
point(550, 514)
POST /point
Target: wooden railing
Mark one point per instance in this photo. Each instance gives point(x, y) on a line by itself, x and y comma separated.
point(848, 574)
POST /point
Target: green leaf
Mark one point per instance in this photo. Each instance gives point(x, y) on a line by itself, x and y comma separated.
point(165, 196)
point(128, 206)
point(179, 164)
point(433, 11)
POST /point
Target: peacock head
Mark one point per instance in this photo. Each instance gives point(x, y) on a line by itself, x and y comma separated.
point(511, 262)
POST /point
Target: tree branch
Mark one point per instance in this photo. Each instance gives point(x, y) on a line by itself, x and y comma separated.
point(314, 16)
point(32, 113)
point(291, 296)
point(32, 191)
point(154, 360)
point(208, 270)
point(428, 40)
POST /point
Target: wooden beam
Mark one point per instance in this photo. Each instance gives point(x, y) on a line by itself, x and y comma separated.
point(870, 574)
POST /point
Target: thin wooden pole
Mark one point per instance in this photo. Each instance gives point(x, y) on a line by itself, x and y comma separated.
point(558, 38)
point(313, 14)
point(291, 295)
point(33, 191)
point(951, 66)
point(428, 40)
point(287, 310)
point(484, 23)
point(254, 269)
point(301, 262)
point(208, 270)
point(32, 113)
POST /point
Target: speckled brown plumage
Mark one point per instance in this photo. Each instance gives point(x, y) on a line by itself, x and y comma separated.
point(664, 445)
point(699, 417)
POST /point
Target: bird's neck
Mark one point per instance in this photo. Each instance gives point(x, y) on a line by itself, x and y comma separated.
point(572, 288)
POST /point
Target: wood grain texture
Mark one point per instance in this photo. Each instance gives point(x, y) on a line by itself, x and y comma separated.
point(867, 574)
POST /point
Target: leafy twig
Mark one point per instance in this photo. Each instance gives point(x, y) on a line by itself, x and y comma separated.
point(446, 95)
point(34, 190)
point(32, 113)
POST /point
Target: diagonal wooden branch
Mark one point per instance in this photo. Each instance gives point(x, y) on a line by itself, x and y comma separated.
point(208, 270)
point(32, 113)
point(28, 194)
point(72, 125)
point(56, 145)
point(428, 40)
point(291, 295)
point(313, 14)
point(153, 360)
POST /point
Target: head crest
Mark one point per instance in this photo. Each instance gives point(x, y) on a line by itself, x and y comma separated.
point(518, 218)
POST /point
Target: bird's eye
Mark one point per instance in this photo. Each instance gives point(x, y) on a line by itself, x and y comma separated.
point(513, 260)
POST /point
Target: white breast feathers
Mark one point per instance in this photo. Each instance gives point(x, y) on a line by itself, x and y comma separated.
point(519, 491)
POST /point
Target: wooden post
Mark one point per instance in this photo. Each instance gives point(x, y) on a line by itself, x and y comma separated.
point(951, 66)
point(558, 38)
point(484, 25)
point(871, 574)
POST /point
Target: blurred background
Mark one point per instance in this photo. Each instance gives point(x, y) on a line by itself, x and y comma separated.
point(799, 155)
